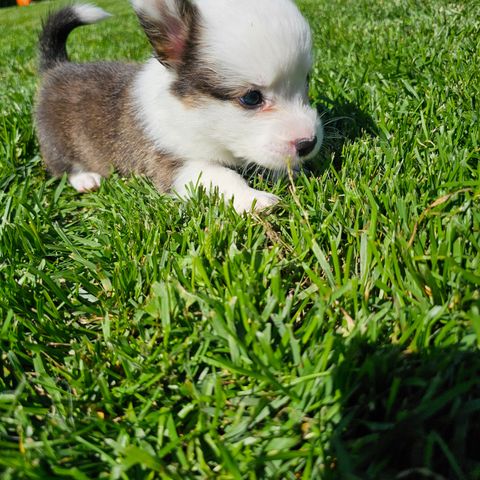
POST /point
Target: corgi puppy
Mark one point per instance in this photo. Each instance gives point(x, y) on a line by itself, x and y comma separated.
point(226, 88)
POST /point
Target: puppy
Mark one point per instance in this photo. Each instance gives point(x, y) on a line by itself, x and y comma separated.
point(226, 88)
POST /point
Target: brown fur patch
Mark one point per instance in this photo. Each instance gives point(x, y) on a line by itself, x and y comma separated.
point(176, 43)
point(85, 118)
point(195, 78)
point(170, 35)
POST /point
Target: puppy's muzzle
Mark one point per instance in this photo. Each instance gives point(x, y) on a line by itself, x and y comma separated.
point(304, 146)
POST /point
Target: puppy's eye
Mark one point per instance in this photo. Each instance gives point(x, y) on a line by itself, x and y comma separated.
point(252, 99)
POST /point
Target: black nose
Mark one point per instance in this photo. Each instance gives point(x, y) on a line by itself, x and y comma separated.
point(305, 146)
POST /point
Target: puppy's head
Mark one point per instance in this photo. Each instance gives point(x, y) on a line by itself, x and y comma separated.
point(243, 67)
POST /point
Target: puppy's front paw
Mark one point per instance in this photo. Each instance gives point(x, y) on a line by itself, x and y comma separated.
point(256, 198)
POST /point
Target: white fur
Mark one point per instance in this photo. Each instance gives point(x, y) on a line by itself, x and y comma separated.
point(252, 44)
point(262, 42)
point(85, 181)
point(227, 182)
point(90, 13)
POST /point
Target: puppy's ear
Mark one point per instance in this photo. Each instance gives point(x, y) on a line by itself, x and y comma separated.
point(169, 25)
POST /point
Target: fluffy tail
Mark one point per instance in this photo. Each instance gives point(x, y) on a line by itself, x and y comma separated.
point(57, 27)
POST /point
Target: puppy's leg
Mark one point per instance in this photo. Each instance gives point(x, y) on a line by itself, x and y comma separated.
point(83, 181)
point(229, 183)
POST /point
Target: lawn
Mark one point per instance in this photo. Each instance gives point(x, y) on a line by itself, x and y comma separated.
point(338, 337)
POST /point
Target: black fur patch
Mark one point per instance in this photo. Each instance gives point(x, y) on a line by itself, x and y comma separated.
point(53, 39)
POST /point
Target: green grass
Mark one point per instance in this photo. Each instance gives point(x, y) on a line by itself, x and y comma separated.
point(337, 338)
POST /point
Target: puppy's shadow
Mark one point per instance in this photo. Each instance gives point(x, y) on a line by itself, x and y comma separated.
point(344, 122)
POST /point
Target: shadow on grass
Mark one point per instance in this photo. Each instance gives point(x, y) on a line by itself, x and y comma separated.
point(406, 416)
point(343, 122)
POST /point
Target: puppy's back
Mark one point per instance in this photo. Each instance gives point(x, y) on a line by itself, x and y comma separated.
point(78, 109)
